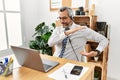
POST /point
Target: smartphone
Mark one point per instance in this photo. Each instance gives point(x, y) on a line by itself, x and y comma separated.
point(76, 70)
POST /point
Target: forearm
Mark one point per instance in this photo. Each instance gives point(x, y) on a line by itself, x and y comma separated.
point(89, 54)
point(71, 31)
point(100, 48)
point(100, 39)
point(102, 44)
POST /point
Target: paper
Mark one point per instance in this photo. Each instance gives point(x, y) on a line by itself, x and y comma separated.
point(56, 3)
point(77, 3)
point(65, 70)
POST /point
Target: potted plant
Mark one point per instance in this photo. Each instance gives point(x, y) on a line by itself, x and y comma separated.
point(42, 34)
point(96, 75)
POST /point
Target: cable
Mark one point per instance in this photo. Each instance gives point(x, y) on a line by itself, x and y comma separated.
point(73, 48)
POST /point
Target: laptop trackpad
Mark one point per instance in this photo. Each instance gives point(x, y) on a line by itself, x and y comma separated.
point(48, 64)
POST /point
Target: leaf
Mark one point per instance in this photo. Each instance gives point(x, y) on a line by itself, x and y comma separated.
point(53, 24)
point(42, 34)
point(46, 36)
point(34, 34)
point(33, 45)
point(39, 26)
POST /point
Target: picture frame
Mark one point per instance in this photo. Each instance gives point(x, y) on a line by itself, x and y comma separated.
point(74, 4)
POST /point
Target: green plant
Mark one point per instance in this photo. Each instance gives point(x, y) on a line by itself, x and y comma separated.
point(96, 74)
point(42, 34)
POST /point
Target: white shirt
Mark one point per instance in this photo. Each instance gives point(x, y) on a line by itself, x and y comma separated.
point(78, 41)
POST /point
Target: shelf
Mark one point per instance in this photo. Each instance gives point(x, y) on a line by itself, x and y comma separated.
point(87, 20)
point(90, 21)
point(98, 63)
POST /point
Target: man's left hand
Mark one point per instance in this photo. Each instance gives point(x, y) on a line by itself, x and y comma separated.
point(89, 54)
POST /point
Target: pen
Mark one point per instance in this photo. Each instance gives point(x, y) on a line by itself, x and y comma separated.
point(65, 74)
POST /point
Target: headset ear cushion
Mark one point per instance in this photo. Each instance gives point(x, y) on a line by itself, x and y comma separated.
point(71, 15)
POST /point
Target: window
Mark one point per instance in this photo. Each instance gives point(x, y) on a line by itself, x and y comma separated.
point(10, 24)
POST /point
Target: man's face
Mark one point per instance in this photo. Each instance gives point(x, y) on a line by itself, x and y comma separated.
point(65, 19)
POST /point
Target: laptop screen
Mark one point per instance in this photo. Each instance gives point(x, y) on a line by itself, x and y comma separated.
point(31, 58)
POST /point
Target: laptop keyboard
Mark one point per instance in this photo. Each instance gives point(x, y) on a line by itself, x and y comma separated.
point(46, 66)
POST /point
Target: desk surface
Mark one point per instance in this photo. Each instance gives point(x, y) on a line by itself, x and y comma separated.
point(24, 73)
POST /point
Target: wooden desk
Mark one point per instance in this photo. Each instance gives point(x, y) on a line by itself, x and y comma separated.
point(24, 73)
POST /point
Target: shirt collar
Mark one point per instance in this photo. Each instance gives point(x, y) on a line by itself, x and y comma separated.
point(72, 26)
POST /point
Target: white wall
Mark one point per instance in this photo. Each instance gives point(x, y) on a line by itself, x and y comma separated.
point(30, 17)
point(36, 11)
point(108, 10)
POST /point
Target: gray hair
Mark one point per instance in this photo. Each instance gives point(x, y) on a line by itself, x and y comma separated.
point(69, 10)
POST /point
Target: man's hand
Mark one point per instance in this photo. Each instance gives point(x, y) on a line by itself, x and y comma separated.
point(68, 32)
point(89, 54)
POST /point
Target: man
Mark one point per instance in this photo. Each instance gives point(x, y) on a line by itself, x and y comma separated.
point(76, 35)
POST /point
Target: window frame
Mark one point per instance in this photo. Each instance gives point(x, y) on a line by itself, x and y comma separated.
point(8, 50)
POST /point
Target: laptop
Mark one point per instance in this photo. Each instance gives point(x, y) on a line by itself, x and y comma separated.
point(31, 58)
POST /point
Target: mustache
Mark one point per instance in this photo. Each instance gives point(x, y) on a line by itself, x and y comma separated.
point(63, 23)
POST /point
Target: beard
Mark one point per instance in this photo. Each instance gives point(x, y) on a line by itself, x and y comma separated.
point(65, 24)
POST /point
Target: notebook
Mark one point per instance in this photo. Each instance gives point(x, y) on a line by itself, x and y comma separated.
point(31, 58)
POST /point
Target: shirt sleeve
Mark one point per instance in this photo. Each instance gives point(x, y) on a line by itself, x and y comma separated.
point(95, 36)
point(57, 36)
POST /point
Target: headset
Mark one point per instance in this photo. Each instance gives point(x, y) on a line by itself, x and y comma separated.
point(70, 12)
